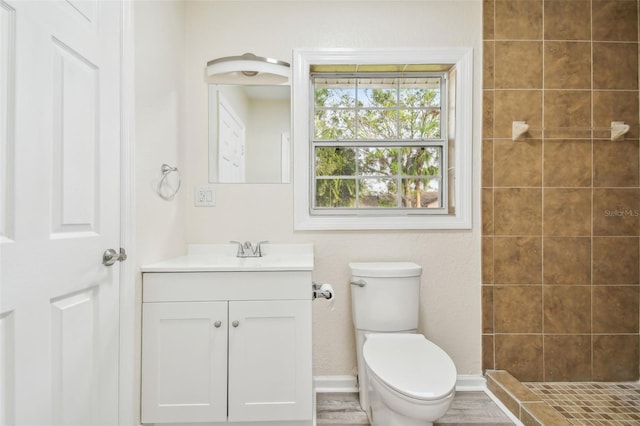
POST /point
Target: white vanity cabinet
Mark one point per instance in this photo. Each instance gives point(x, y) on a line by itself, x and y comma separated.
point(227, 347)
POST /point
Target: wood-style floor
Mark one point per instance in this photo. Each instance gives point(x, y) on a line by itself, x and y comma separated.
point(467, 408)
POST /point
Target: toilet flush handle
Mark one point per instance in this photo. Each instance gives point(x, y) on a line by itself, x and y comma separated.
point(359, 283)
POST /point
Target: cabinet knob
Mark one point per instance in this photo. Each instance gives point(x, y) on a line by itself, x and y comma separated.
point(235, 323)
point(217, 324)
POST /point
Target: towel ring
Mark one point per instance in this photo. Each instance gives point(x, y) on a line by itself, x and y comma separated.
point(166, 170)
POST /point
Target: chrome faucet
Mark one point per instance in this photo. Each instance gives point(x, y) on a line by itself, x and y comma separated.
point(247, 250)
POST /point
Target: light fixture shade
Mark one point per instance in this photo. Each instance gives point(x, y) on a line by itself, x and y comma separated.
point(247, 69)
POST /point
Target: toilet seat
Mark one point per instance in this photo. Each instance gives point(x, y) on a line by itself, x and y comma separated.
point(410, 365)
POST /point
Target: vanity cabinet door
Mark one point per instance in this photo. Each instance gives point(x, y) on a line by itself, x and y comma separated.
point(270, 374)
point(184, 362)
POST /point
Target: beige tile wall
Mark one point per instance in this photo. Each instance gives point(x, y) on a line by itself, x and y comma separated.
point(561, 246)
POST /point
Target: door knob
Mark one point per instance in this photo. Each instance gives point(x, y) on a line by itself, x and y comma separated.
point(110, 256)
point(235, 323)
point(217, 324)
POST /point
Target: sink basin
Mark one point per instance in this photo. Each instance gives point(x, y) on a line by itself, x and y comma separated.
point(222, 257)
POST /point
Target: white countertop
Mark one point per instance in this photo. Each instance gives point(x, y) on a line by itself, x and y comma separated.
point(222, 257)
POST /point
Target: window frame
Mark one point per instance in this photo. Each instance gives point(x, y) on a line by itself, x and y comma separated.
point(302, 106)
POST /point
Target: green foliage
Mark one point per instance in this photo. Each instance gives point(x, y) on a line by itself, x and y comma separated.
point(335, 193)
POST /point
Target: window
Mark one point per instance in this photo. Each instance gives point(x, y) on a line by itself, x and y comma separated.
point(379, 144)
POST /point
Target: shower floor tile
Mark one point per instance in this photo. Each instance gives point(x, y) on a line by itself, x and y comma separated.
point(592, 403)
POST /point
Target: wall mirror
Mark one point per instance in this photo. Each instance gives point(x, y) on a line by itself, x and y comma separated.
point(249, 133)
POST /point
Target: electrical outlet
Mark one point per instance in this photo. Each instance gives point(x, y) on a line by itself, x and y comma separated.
point(205, 196)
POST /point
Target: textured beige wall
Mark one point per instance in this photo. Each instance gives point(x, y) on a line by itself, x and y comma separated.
point(160, 226)
point(450, 300)
point(159, 124)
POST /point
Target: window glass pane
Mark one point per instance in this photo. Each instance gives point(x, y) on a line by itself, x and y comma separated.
point(419, 124)
point(378, 193)
point(334, 124)
point(421, 193)
point(377, 124)
point(420, 92)
point(377, 161)
point(332, 97)
point(421, 161)
point(332, 161)
point(335, 193)
point(371, 95)
point(376, 106)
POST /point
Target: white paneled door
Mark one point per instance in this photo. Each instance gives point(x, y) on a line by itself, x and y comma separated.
point(59, 211)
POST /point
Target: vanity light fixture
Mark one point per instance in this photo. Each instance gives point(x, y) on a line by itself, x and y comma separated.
point(247, 69)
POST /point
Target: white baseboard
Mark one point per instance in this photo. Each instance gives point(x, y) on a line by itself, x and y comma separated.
point(347, 383)
point(471, 383)
point(326, 384)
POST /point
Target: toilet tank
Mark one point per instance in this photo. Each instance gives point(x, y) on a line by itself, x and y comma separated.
point(389, 299)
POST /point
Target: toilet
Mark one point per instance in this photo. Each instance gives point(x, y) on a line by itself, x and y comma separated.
point(403, 378)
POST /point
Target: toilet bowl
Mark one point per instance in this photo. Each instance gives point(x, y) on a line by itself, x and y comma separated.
point(411, 380)
point(403, 378)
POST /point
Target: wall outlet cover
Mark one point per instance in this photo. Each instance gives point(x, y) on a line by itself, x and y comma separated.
point(205, 196)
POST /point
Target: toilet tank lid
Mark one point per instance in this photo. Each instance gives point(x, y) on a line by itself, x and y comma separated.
point(385, 269)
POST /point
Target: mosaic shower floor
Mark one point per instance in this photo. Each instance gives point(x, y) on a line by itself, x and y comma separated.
point(592, 403)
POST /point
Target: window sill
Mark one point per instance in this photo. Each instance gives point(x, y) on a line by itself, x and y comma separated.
point(380, 223)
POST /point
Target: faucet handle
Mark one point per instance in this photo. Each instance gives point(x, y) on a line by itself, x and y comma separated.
point(258, 250)
point(240, 251)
